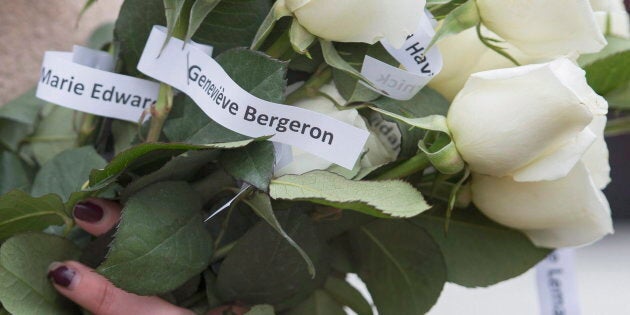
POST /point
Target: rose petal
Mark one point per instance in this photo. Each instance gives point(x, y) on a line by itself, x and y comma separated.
point(570, 211)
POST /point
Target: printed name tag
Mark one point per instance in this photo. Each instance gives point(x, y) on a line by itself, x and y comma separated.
point(82, 80)
point(556, 284)
point(195, 73)
point(421, 65)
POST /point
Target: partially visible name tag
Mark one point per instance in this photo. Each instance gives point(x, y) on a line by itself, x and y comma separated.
point(195, 73)
point(557, 289)
point(82, 80)
point(421, 65)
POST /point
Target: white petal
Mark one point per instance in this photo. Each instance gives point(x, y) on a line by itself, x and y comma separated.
point(365, 21)
point(464, 54)
point(543, 27)
point(596, 157)
point(505, 119)
point(570, 211)
point(559, 163)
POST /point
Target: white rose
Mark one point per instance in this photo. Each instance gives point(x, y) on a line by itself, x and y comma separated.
point(543, 27)
point(570, 211)
point(376, 152)
point(530, 122)
point(365, 21)
point(613, 12)
point(464, 54)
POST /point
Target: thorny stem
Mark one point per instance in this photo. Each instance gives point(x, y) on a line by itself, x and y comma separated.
point(311, 88)
point(280, 47)
point(411, 166)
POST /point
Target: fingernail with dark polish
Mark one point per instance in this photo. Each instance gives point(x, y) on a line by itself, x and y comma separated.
point(62, 275)
point(88, 212)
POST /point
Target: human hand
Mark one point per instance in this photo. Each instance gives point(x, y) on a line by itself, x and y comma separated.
point(94, 292)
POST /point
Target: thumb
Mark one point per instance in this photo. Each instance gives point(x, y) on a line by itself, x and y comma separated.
point(96, 294)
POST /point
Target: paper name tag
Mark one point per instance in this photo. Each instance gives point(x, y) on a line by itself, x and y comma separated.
point(421, 65)
point(193, 72)
point(81, 80)
point(556, 284)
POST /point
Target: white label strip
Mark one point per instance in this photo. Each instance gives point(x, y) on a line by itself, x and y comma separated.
point(421, 65)
point(82, 80)
point(195, 73)
point(556, 284)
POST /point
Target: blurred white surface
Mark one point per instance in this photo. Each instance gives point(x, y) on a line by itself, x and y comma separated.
point(603, 285)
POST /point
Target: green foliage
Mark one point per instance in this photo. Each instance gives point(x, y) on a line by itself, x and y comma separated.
point(67, 172)
point(18, 119)
point(396, 256)
point(55, 133)
point(608, 69)
point(319, 303)
point(24, 287)
point(347, 295)
point(15, 173)
point(264, 268)
point(477, 251)
point(382, 199)
point(252, 164)
point(261, 204)
point(20, 212)
point(161, 240)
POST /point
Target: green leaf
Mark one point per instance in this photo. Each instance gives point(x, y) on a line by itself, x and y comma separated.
point(232, 23)
point(256, 73)
point(477, 251)
point(211, 291)
point(101, 36)
point(173, 13)
point(182, 167)
point(383, 199)
point(347, 295)
point(55, 133)
point(458, 20)
point(147, 153)
point(67, 172)
point(20, 212)
point(401, 265)
point(161, 240)
point(426, 103)
point(23, 109)
point(264, 268)
point(15, 173)
point(261, 204)
point(319, 303)
point(24, 287)
point(133, 25)
point(619, 98)
point(17, 119)
point(262, 309)
point(198, 13)
point(608, 69)
point(252, 164)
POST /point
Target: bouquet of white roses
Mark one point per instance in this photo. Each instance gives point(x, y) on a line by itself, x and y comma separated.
point(257, 152)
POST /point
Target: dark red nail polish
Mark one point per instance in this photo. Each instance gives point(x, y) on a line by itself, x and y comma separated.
point(62, 276)
point(88, 212)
